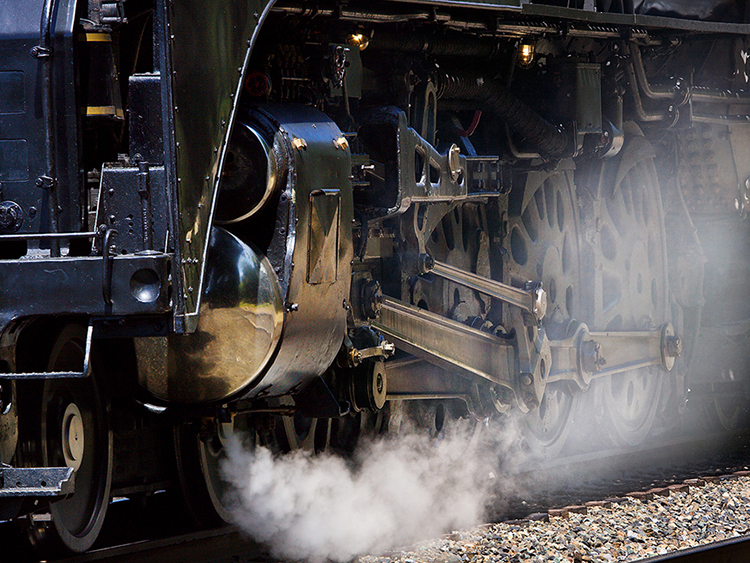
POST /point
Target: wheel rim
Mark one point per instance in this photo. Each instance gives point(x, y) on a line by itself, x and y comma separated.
point(543, 231)
point(75, 433)
point(630, 292)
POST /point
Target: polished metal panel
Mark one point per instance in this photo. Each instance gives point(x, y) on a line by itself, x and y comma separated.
point(311, 249)
point(209, 42)
point(240, 325)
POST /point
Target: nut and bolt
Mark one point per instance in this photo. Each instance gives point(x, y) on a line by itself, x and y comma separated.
point(591, 356)
point(674, 346)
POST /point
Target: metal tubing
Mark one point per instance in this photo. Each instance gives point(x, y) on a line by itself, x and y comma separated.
point(680, 95)
point(652, 92)
point(638, 104)
point(705, 95)
point(49, 181)
point(721, 119)
point(551, 140)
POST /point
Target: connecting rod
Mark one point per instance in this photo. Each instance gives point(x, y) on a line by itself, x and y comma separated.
point(589, 355)
point(533, 299)
point(483, 356)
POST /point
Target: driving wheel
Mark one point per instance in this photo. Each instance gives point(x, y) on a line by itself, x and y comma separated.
point(75, 433)
point(543, 238)
point(629, 281)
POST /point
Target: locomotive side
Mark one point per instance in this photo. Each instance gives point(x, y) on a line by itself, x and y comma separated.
point(299, 223)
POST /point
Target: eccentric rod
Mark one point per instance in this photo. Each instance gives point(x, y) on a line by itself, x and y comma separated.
point(532, 300)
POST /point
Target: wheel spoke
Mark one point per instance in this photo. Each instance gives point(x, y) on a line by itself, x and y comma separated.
point(544, 246)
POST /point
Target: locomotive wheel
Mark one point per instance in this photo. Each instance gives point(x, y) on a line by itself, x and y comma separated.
point(200, 453)
point(629, 282)
point(543, 229)
point(309, 434)
point(75, 433)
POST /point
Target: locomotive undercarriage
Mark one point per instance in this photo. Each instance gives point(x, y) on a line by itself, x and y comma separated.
point(424, 213)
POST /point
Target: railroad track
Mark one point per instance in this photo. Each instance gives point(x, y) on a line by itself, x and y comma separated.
point(226, 545)
point(610, 473)
point(735, 550)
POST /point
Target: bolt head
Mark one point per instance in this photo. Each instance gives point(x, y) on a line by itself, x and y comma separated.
point(674, 346)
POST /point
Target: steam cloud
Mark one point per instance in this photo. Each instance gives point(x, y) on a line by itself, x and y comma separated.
point(392, 493)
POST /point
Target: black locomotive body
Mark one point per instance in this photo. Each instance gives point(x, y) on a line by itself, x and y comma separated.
point(298, 222)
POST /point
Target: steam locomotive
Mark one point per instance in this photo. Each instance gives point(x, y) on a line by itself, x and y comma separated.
point(298, 222)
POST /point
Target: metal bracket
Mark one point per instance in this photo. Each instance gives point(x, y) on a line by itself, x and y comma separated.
point(85, 370)
point(39, 52)
point(107, 257)
point(382, 351)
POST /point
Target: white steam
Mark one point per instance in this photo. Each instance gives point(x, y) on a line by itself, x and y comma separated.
point(392, 493)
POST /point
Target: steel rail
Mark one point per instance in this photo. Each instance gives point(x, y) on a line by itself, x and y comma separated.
point(734, 550)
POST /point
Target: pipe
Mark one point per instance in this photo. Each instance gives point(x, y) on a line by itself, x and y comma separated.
point(48, 181)
point(680, 94)
point(640, 112)
point(674, 93)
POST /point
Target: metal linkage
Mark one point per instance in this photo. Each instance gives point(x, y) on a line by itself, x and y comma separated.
point(528, 362)
point(447, 343)
point(588, 355)
point(533, 299)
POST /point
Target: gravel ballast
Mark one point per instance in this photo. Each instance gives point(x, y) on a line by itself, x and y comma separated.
point(625, 529)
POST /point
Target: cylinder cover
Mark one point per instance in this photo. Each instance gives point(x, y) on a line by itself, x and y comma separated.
point(241, 319)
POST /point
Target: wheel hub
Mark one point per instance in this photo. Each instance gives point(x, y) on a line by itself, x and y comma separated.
point(73, 441)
